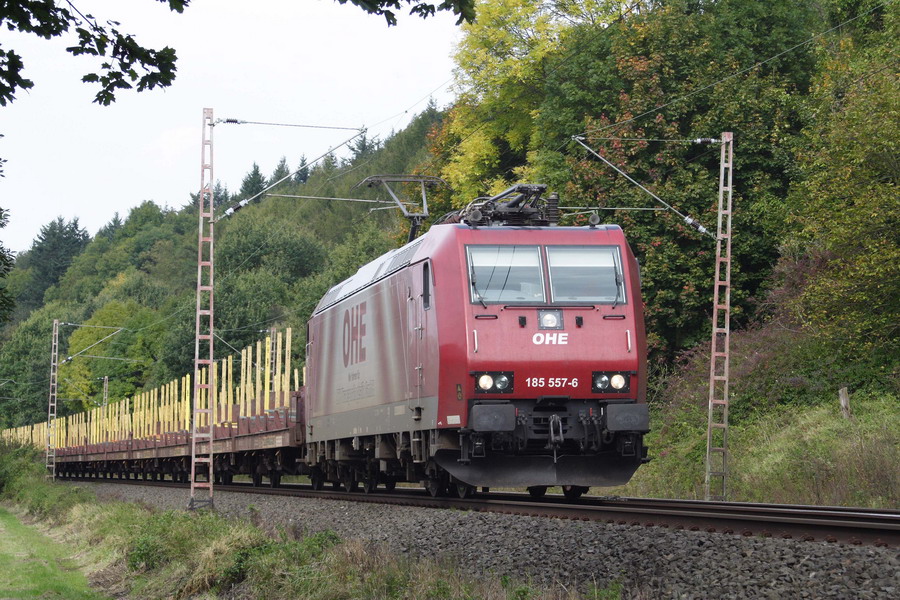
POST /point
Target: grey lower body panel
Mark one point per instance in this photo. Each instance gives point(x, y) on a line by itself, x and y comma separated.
point(375, 420)
point(498, 470)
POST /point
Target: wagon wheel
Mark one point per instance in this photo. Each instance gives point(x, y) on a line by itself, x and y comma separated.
point(538, 491)
point(349, 481)
point(464, 490)
point(436, 487)
point(370, 484)
point(574, 492)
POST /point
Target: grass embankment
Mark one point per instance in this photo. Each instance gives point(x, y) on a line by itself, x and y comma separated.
point(33, 566)
point(788, 440)
point(130, 550)
point(805, 455)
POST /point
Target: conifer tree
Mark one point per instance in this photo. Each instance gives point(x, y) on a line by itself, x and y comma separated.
point(6, 265)
point(56, 246)
point(281, 171)
point(221, 195)
point(254, 183)
point(302, 173)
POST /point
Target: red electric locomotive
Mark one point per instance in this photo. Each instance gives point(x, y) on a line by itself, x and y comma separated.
point(497, 349)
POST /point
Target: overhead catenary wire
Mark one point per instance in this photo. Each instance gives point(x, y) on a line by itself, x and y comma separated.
point(689, 220)
point(114, 358)
point(332, 198)
point(231, 210)
point(91, 326)
point(672, 140)
point(69, 358)
point(231, 121)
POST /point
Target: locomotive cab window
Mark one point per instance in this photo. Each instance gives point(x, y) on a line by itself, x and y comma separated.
point(586, 274)
point(505, 274)
point(426, 286)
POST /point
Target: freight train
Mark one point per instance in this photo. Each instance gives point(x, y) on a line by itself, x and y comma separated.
point(496, 349)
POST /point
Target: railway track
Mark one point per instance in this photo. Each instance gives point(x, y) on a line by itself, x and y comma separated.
point(809, 523)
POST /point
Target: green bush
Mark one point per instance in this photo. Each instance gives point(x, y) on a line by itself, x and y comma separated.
point(23, 480)
point(172, 536)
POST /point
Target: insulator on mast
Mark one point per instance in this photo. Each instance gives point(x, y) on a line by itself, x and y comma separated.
point(695, 224)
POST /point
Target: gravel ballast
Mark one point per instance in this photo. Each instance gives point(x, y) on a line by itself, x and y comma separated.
point(649, 562)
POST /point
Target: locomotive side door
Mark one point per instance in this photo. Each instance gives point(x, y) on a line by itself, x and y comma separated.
point(417, 296)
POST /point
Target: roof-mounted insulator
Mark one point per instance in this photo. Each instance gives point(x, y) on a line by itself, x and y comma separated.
point(552, 208)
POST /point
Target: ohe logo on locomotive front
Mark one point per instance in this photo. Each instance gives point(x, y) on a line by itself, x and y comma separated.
point(550, 338)
point(353, 334)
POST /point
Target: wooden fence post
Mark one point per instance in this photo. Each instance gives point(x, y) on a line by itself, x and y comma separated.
point(844, 397)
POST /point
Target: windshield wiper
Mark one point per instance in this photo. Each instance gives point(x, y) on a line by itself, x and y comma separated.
point(618, 285)
point(475, 287)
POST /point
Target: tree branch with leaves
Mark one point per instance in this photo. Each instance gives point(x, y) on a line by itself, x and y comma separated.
point(126, 63)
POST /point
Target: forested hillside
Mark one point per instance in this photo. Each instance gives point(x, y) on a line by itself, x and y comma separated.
point(274, 260)
point(810, 90)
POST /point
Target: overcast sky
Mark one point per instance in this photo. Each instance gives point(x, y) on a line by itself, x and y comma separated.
point(288, 61)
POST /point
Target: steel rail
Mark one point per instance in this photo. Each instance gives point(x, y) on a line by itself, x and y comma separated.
point(810, 523)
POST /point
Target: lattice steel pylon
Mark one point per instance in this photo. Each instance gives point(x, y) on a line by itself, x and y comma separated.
point(717, 421)
point(204, 393)
point(51, 403)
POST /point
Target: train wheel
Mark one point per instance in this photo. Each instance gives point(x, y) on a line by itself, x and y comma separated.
point(464, 490)
point(537, 491)
point(317, 481)
point(274, 479)
point(257, 479)
point(436, 487)
point(370, 485)
point(349, 482)
point(574, 492)
point(227, 478)
point(390, 486)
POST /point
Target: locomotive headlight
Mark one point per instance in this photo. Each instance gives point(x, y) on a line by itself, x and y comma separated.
point(494, 382)
point(550, 319)
point(611, 382)
point(486, 382)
